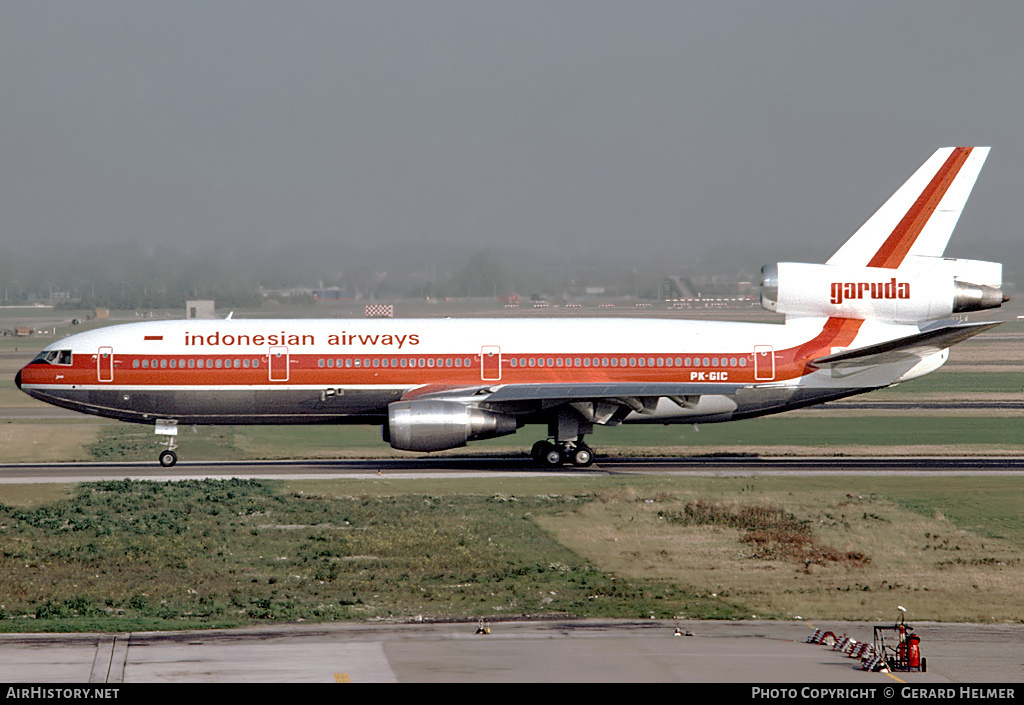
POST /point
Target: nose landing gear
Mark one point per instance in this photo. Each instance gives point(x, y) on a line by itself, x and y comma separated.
point(169, 428)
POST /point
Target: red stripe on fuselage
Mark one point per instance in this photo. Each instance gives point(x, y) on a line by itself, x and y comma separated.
point(305, 369)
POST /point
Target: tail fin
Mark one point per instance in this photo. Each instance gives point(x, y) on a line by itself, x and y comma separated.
point(892, 269)
point(919, 218)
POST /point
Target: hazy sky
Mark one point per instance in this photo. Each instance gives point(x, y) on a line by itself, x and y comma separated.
point(686, 132)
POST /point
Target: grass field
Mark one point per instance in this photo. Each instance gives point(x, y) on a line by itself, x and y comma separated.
point(142, 555)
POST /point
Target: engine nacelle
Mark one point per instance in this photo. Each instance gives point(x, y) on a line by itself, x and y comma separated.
point(431, 424)
point(924, 288)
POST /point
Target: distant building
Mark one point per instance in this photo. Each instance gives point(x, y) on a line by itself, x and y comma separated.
point(199, 309)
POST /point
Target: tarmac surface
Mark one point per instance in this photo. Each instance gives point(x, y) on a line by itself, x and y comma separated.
point(586, 651)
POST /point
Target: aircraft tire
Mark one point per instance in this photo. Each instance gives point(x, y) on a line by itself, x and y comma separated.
point(168, 458)
point(538, 450)
point(552, 457)
point(582, 456)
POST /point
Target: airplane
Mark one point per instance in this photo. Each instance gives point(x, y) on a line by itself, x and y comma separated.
point(877, 313)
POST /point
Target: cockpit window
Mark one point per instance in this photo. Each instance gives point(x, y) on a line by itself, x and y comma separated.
point(54, 357)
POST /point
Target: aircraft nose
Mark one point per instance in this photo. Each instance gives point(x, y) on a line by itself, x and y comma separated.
point(17, 379)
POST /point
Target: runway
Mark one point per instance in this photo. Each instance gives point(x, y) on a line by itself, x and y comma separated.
point(519, 466)
point(584, 651)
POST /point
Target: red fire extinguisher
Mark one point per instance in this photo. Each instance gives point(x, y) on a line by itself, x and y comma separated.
point(914, 651)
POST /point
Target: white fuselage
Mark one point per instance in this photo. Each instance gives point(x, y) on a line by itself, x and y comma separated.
point(330, 370)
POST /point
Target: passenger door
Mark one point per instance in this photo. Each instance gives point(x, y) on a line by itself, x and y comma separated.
point(278, 363)
point(490, 363)
point(105, 364)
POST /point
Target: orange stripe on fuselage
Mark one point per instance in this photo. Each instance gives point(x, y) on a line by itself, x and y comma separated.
point(305, 370)
point(895, 248)
point(836, 333)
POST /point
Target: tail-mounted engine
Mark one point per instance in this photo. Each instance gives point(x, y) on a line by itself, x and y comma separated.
point(923, 288)
point(432, 424)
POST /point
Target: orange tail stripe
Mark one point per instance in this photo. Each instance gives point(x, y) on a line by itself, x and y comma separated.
point(895, 248)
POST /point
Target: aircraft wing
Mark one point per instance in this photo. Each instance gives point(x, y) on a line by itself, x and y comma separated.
point(587, 392)
point(929, 341)
point(597, 402)
point(559, 393)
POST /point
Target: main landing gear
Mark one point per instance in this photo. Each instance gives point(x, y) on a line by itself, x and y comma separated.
point(554, 455)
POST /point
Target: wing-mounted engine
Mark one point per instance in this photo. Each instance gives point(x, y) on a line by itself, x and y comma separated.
point(923, 288)
point(433, 424)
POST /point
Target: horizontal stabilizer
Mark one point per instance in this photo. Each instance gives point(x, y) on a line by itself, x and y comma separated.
point(920, 345)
